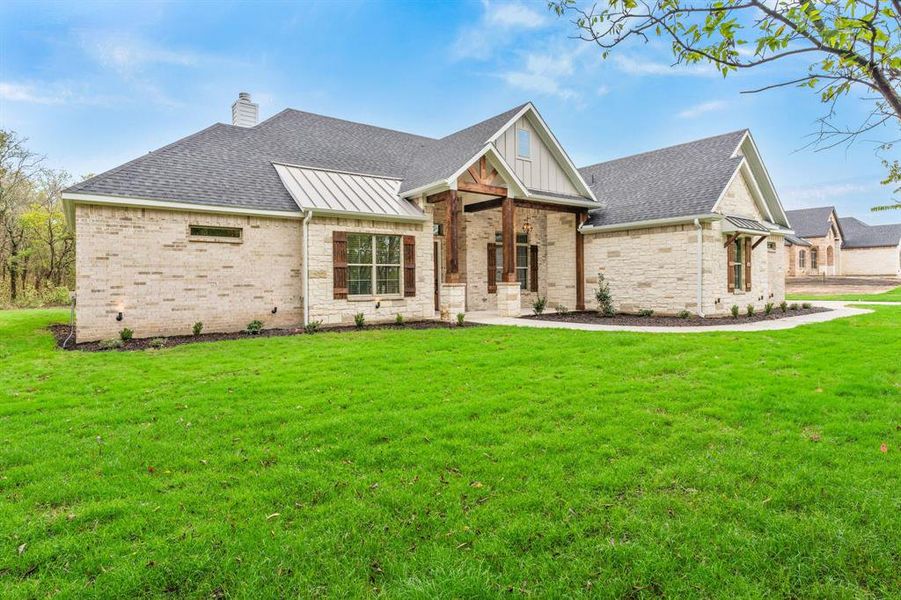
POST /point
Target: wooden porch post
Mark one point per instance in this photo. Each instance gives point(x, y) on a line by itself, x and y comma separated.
point(508, 237)
point(580, 262)
point(453, 234)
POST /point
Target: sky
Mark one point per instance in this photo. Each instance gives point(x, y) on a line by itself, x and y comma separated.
point(95, 84)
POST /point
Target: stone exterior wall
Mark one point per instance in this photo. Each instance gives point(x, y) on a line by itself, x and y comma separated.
point(561, 260)
point(324, 307)
point(142, 262)
point(872, 261)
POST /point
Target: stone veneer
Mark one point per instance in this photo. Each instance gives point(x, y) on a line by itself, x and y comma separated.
point(143, 263)
point(508, 299)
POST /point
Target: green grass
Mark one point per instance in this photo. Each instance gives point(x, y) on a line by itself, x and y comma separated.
point(893, 295)
point(455, 463)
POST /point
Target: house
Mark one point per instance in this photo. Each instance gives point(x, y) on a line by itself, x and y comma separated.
point(850, 246)
point(303, 217)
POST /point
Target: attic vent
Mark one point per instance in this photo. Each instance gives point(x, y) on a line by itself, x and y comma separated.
point(244, 112)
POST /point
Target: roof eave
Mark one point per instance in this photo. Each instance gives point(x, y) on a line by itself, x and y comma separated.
point(650, 223)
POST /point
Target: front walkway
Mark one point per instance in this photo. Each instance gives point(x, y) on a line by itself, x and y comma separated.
point(839, 310)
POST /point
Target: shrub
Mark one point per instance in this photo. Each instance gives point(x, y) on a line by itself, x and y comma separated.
point(359, 320)
point(312, 327)
point(767, 308)
point(197, 328)
point(110, 344)
point(539, 305)
point(793, 306)
point(783, 306)
point(806, 305)
point(460, 318)
point(646, 312)
point(157, 343)
point(734, 310)
point(254, 327)
point(684, 314)
point(399, 319)
point(126, 334)
point(561, 309)
point(604, 298)
point(750, 310)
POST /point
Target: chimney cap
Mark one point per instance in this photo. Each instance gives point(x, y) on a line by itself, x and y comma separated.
point(244, 95)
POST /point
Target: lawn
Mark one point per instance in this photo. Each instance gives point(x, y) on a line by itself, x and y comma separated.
point(893, 295)
point(455, 463)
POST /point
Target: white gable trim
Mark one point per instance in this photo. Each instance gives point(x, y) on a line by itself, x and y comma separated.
point(759, 200)
point(548, 136)
point(771, 197)
point(503, 169)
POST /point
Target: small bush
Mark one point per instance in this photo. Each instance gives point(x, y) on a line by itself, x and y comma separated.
point(604, 298)
point(111, 344)
point(561, 309)
point(399, 319)
point(126, 334)
point(359, 320)
point(646, 312)
point(767, 308)
point(312, 327)
point(793, 306)
point(197, 328)
point(734, 311)
point(806, 305)
point(255, 327)
point(539, 305)
point(460, 318)
point(750, 310)
point(684, 314)
point(783, 306)
point(157, 343)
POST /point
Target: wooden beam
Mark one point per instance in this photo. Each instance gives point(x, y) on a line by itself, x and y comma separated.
point(481, 188)
point(549, 206)
point(757, 243)
point(731, 239)
point(439, 197)
point(484, 205)
point(473, 173)
point(580, 261)
point(453, 234)
point(483, 170)
point(508, 237)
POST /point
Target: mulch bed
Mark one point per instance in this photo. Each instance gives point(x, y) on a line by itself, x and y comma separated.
point(593, 318)
point(61, 332)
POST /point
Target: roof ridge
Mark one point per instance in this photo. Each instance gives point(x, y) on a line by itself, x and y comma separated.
point(340, 120)
point(515, 109)
point(674, 146)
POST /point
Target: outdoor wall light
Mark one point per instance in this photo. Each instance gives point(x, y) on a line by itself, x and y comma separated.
point(120, 316)
point(378, 304)
point(274, 309)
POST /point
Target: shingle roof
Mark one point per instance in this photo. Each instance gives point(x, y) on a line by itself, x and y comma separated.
point(858, 234)
point(810, 222)
point(796, 241)
point(678, 181)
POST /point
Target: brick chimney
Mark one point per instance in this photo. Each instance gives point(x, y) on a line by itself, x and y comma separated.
point(244, 112)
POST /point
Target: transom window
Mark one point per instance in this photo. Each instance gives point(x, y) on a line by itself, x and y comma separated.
point(373, 264)
point(205, 232)
point(523, 144)
point(522, 258)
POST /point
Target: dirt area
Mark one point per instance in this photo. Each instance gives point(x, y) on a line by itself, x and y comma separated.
point(594, 318)
point(61, 332)
point(840, 285)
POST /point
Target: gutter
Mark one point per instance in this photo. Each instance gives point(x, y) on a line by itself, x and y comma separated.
point(306, 266)
point(651, 223)
point(700, 299)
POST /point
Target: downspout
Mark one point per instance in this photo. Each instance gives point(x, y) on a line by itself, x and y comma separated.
point(306, 266)
point(700, 253)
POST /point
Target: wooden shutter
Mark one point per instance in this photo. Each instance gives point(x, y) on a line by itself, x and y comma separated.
point(533, 268)
point(492, 268)
point(339, 264)
point(730, 267)
point(748, 250)
point(409, 266)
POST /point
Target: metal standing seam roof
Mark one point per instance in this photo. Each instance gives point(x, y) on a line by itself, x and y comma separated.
point(749, 224)
point(337, 192)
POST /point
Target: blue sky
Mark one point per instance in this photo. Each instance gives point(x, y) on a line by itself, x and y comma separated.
point(95, 84)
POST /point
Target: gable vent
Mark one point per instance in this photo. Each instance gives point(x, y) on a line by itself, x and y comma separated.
point(244, 112)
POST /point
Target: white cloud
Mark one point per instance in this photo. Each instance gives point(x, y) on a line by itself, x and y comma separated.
point(640, 67)
point(127, 54)
point(513, 15)
point(17, 92)
point(546, 73)
point(816, 195)
point(496, 26)
point(602, 90)
point(51, 93)
point(703, 108)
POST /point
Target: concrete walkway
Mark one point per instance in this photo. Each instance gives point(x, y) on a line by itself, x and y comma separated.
point(839, 310)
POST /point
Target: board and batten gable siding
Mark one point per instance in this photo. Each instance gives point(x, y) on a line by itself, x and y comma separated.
point(542, 171)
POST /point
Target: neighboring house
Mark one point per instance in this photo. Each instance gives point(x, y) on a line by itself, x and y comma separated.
point(825, 243)
point(816, 246)
point(308, 218)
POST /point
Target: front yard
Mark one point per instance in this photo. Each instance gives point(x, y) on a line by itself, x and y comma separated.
point(455, 463)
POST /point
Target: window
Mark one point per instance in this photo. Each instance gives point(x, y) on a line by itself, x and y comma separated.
point(813, 258)
point(771, 246)
point(523, 144)
point(522, 258)
point(739, 265)
point(802, 259)
point(373, 264)
point(227, 234)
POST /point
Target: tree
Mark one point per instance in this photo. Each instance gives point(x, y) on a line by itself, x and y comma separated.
point(847, 44)
point(53, 246)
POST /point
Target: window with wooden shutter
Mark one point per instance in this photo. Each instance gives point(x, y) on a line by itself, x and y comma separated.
point(339, 264)
point(730, 267)
point(492, 268)
point(533, 268)
point(409, 266)
point(747, 269)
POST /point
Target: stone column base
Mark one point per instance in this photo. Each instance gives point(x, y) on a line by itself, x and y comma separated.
point(508, 299)
point(453, 300)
